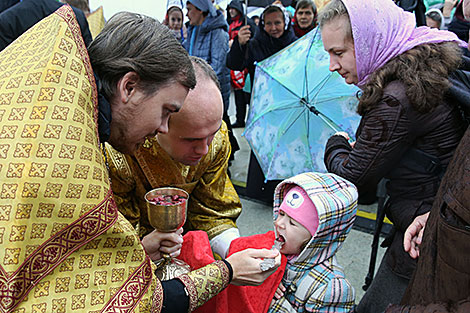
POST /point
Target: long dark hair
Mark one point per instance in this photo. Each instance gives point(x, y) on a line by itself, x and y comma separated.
point(423, 69)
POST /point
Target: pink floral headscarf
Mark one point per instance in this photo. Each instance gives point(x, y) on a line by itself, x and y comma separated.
point(382, 30)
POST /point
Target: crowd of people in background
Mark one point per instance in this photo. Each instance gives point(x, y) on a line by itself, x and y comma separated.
point(412, 110)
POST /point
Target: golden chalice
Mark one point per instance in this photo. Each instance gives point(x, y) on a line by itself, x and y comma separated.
point(166, 209)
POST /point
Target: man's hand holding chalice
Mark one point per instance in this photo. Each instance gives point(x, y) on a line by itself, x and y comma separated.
point(158, 243)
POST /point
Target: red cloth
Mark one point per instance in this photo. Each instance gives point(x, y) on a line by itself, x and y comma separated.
point(196, 252)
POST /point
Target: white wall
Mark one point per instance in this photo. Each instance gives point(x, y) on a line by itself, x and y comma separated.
point(153, 8)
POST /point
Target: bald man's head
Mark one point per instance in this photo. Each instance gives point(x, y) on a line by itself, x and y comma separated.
point(193, 128)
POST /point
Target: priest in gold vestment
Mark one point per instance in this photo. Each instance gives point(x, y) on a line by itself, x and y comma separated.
point(194, 156)
point(65, 246)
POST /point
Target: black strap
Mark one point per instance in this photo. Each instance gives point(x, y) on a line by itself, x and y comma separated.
point(422, 162)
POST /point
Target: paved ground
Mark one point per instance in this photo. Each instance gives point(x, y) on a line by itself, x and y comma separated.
point(256, 218)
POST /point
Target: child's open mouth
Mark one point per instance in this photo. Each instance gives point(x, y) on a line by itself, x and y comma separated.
point(281, 238)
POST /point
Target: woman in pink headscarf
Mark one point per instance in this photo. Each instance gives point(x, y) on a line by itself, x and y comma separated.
point(409, 128)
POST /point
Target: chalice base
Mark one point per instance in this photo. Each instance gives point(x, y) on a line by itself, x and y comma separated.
point(169, 268)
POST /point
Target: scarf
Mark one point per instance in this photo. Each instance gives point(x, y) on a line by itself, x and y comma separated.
point(299, 32)
point(234, 26)
point(389, 32)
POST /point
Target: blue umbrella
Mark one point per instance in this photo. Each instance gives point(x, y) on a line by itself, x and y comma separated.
point(296, 105)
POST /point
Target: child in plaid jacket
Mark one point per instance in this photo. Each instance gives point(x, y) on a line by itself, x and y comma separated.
point(313, 214)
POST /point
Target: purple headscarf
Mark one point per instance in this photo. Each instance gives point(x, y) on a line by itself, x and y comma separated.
point(382, 30)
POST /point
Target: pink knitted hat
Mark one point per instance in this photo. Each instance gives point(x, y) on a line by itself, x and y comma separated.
point(298, 205)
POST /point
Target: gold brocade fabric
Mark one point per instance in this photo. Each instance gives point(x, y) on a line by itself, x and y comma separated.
point(213, 204)
point(96, 22)
point(204, 283)
point(65, 247)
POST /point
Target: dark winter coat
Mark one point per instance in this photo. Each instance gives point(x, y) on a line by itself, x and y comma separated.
point(258, 48)
point(211, 44)
point(443, 271)
point(384, 138)
point(237, 5)
point(20, 17)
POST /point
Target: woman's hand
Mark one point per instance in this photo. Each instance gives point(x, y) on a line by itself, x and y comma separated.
point(157, 243)
point(448, 6)
point(344, 134)
point(246, 266)
point(244, 35)
point(414, 235)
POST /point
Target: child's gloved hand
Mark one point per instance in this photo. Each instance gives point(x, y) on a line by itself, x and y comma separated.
point(279, 293)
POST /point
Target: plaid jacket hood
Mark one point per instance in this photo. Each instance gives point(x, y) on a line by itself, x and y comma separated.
point(314, 281)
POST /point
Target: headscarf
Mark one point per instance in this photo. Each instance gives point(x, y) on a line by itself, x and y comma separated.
point(437, 11)
point(269, 45)
point(174, 3)
point(204, 6)
point(284, 12)
point(388, 32)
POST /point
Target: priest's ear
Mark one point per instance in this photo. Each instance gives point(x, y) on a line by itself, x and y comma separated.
point(126, 86)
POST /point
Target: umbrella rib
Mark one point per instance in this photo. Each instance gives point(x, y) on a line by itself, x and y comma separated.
point(288, 89)
point(306, 67)
point(322, 84)
point(329, 122)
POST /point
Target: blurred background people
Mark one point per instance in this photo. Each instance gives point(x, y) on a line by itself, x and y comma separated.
point(236, 19)
point(435, 19)
point(174, 19)
point(274, 33)
point(208, 39)
point(459, 25)
point(305, 18)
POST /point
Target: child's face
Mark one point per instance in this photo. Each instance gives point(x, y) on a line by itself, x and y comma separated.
point(175, 20)
point(294, 234)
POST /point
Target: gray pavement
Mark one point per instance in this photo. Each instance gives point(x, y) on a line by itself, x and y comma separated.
point(256, 218)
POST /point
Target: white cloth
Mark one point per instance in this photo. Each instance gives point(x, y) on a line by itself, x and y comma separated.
point(221, 243)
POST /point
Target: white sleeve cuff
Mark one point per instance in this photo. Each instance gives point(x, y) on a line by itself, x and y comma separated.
point(221, 243)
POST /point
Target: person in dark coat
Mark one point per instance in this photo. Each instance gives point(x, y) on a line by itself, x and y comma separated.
point(409, 128)
point(208, 39)
point(274, 33)
point(5, 4)
point(236, 19)
point(21, 16)
point(443, 272)
point(459, 25)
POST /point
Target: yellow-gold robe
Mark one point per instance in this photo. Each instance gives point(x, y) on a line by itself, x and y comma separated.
point(213, 204)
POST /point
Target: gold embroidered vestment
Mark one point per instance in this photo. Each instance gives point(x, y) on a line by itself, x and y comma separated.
point(213, 203)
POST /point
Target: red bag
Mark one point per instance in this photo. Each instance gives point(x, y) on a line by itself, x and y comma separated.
point(238, 78)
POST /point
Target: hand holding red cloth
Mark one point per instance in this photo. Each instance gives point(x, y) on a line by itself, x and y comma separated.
point(196, 251)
